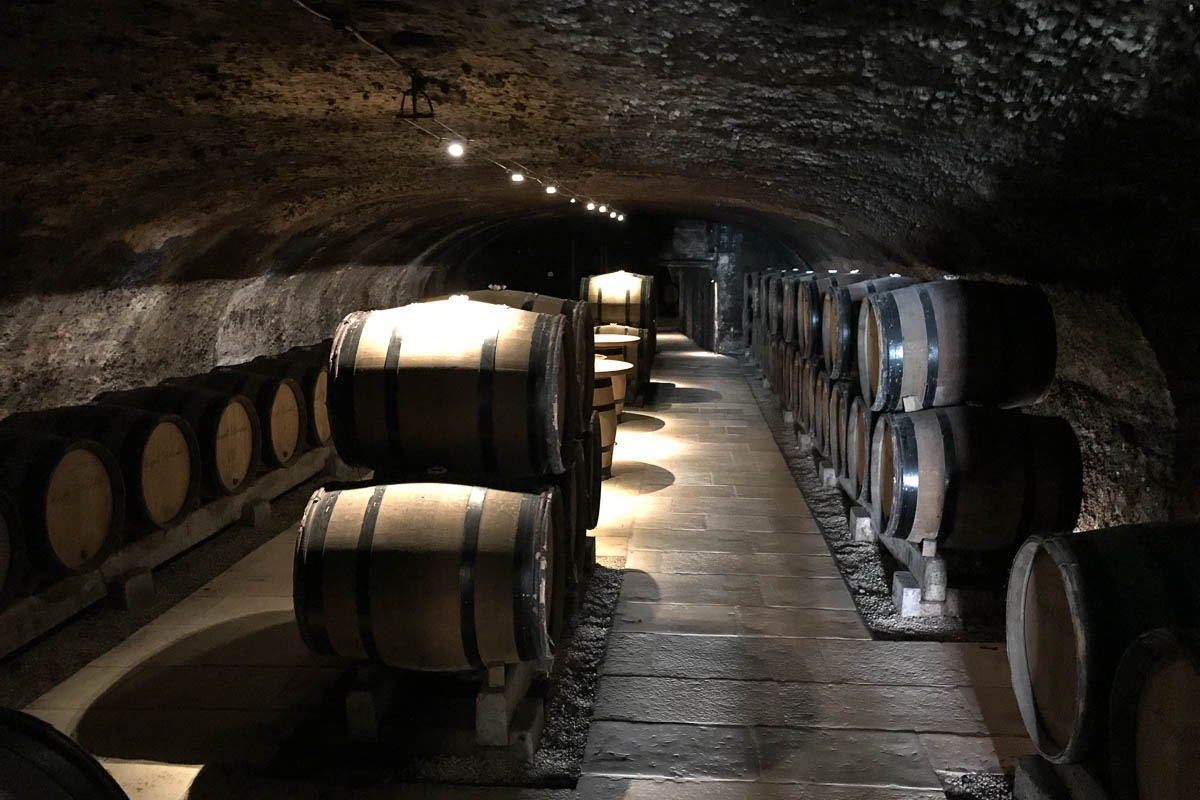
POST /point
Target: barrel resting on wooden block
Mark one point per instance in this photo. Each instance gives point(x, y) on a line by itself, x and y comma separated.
point(828, 474)
point(922, 591)
point(859, 523)
point(1038, 779)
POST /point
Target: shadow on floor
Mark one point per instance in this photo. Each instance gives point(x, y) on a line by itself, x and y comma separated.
point(666, 394)
point(654, 477)
point(229, 693)
point(641, 423)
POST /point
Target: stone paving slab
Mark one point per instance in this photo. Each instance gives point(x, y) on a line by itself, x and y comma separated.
point(721, 620)
point(767, 564)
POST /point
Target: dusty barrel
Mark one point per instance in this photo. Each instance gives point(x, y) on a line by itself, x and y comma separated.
point(808, 313)
point(804, 395)
point(840, 308)
point(951, 342)
point(70, 497)
point(860, 422)
point(636, 352)
point(605, 404)
point(774, 300)
point(312, 375)
point(622, 298)
point(1154, 731)
point(158, 455)
point(226, 428)
point(619, 372)
point(1075, 605)
point(471, 387)
point(818, 421)
point(426, 576)
point(38, 761)
point(788, 307)
point(279, 403)
point(797, 369)
point(974, 478)
point(577, 347)
point(840, 395)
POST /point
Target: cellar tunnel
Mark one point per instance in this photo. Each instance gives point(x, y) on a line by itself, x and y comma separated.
point(190, 185)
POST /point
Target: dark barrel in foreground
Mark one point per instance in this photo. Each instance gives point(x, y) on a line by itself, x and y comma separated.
point(427, 576)
point(39, 762)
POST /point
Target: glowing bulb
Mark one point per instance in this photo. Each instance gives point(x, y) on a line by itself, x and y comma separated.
point(572, 199)
point(591, 206)
point(455, 149)
point(551, 189)
point(603, 209)
point(620, 217)
point(894, 275)
point(832, 271)
point(810, 272)
point(612, 214)
point(853, 272)
point(517, 177)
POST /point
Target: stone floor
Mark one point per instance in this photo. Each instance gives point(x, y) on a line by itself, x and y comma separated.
point(737, 666)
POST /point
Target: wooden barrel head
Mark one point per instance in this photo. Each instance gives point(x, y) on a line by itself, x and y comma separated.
point(285, 423)
point(1167, 736)
point(318, 412)
point(884, 493)
point(234, 445)
point(1050, 654)
point(79, 508)
point(166, 472)
point(870, 352)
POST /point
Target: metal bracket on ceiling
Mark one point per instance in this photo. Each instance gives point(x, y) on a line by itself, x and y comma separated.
point(410, 101)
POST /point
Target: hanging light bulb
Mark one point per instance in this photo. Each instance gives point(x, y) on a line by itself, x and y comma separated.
point(551, 189)
point(572, 199)
point(456, 149)
point(517, 177)
point(612, 214)
point(603, 209)
point(620, 217)
point(591, 206)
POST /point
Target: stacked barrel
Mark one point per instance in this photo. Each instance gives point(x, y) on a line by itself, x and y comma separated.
point(1104, 649)
point(461, 553)
point(624, 302)
point(86, 478)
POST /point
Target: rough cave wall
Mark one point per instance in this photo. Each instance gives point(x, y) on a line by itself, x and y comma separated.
point(159, 144)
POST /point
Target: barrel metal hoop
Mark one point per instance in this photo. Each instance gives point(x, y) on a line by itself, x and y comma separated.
point(362, 573)
point(537, 389)
point(308, 584)
point(341, 390)
point(906, 456)
point(950, 458)
point(486, 388)
point(599, 301)
point(391, 397)
point(524, 579)
point(893, 356)
point(466, 575)
point(931, 347)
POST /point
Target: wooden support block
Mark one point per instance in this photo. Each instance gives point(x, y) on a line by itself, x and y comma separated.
point(134, 590)
point(859, 522)
point(497, 701)
point(368, 703)
point(256, 514)
point(828, 475)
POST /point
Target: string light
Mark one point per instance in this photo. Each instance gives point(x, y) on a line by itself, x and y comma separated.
point(603, 209)
point(591, 206)
point(551, 190)
point(620, 217)
point(456, 149)
point(573, 200)
point(612, 214)
point(517, 177)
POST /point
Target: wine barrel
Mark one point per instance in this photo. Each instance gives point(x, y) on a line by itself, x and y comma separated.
point(951, 342)
point(158, 455)
point(312, 375)
point(1075, 605)
point(279, 403)
point(14, 571)
point(38, 761)
point(621, 298)
point(427, 576)
point(70, 497)
point(974, 478)
point(749, 280)
point(1154, 731)
point(794, 378)
point(787, 310)
point(637, 353)
point(577, 350)
point(594, 448)
point(226, 427)
point(472, 387)
point(860, 424)
point(808, 314)
point(605, 404)
point(819, 413)
point(840, 395)
point(840, 308)
point(774, 299)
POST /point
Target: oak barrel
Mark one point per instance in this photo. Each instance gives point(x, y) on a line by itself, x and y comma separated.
point(226, 428)
point(951, 342)
point(622, 298)
point(840, 308)
point(427, 576)
point(860, 424)
point(40, 763)
point(13, 566)
point(472, 387)
point(974, 478)
point(70, 497)
point(1154, 730)
point(637, 353)
point(312, 375)
point(158, 454)
point(787, 308)
point(819, 413)
point(1075, 605)
point(279, 403)
point(578, 345)
point(593, 446)
point(808, 313)
point(841, 393)
point(605, 404)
